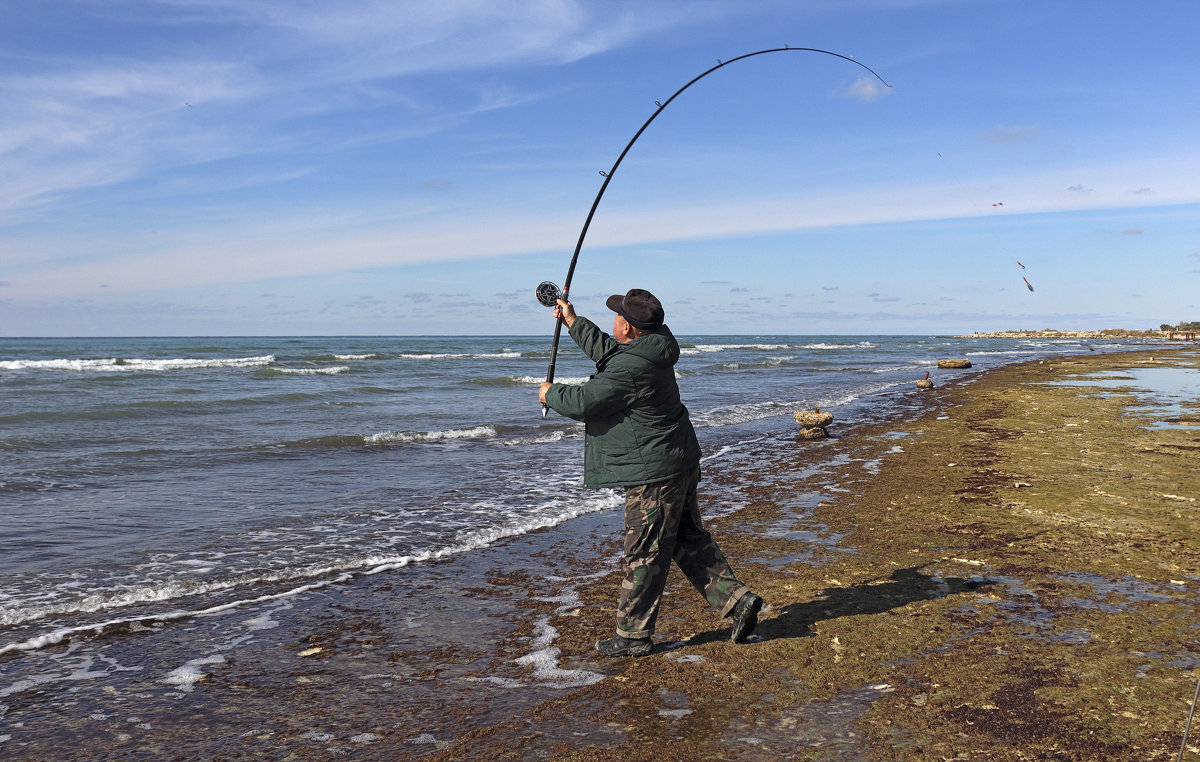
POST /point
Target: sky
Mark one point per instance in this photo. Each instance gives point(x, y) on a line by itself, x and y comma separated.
point(244, 167)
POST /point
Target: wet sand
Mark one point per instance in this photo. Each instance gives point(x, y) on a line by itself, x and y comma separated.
point(1012, 573)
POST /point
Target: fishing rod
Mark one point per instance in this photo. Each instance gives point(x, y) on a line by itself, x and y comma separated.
point(548, 293)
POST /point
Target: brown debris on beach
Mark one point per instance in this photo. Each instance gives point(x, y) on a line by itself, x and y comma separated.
point(1015, 583)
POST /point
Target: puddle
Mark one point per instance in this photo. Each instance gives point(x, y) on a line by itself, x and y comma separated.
point(819, 730)
point(675, 704)
point(1169, 393)
point(1130, 588)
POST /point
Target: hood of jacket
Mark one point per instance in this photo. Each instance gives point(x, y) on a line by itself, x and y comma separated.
point(659, 347)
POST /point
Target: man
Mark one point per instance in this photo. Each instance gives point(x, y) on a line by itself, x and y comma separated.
point(639, 438)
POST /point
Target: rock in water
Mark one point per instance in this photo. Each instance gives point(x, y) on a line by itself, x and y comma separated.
point(960, 362)
point(812, 418)
point(815, 432)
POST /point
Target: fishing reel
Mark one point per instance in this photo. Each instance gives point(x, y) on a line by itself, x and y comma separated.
point(548, 293)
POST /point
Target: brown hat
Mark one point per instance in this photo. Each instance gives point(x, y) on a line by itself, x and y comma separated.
point(640, 307)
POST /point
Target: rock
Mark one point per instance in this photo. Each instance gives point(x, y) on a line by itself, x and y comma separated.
point(925, 383)
point(812, 418)
point(815, 432)
point(959, 362)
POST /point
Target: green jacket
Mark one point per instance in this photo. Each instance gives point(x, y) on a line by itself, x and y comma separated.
point(638, 431)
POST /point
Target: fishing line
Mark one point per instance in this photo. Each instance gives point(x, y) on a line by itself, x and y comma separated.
point(1183, 744)
point(548, 293)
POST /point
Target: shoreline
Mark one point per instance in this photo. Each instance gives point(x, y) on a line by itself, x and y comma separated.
point(1107, 333)
point(965, 580)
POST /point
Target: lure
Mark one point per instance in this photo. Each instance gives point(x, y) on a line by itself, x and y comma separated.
point(546, 289)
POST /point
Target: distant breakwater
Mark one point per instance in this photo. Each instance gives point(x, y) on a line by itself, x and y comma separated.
point(1107, 333)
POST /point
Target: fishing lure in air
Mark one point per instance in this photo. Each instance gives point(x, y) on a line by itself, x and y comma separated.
point(547, 292)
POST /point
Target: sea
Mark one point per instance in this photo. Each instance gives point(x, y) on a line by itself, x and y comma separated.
point(148, 482)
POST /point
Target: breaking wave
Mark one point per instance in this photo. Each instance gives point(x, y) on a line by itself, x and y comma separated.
point(129, 365)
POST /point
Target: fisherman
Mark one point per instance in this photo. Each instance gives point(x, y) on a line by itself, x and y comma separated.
point(639, 438)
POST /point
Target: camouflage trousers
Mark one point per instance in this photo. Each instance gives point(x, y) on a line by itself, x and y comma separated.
point(662, 523)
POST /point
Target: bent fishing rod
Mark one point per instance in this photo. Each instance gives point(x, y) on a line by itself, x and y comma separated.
point(548, 293)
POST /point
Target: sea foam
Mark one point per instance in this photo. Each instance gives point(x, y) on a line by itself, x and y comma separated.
point(126, 365)
point(312, 577)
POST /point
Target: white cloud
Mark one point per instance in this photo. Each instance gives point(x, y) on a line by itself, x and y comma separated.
point(305, 242)
point(867, 89)
point(106, 117)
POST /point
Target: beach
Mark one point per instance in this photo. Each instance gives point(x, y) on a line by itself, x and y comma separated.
point(1015, 576)
point(1005, 568)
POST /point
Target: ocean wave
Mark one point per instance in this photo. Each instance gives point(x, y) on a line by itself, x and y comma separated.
point(774, 362)
point(331, 371)
point(729, 415)
point(916, 364)
point(825, 345)
point(695, 349)
point(569, 380)
point(521, 381)
point(504, 354)
point(311, 577)
point(546, 438)
point(126, 365)
point(405, 437)
point(383, 438)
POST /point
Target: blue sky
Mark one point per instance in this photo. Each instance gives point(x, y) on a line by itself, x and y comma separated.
point(233, 167)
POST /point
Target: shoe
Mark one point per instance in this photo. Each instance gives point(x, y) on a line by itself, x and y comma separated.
point(619, 646)
point(745, 617)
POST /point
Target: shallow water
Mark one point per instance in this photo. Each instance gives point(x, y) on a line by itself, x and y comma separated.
point(1165, 391)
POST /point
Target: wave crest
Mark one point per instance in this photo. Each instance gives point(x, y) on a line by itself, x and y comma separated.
point(126, 365)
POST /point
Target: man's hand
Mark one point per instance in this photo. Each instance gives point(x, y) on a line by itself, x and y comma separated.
point(542, 394)
point(565, 311)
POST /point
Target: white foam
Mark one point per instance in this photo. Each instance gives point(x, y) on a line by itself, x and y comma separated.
point(553, 436)
point(503, 682)
point(262, 622)
point(503, 355)
point(824, 345)
point(316, 735)
point(709, 348)
point(123, 599)
point(393, 437)
point(570, 381)
point(322, 575)
point(426, 738)
point(121, 365)
point(544, 661)
point(355, 357)
point(331, 371)
point(189, 674)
